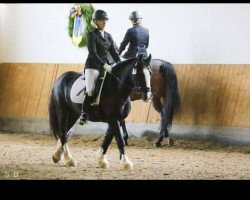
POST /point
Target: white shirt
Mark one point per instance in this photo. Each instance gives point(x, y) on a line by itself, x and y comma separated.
point(102, 33)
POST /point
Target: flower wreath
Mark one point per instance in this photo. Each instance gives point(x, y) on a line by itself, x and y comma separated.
point(76, 23)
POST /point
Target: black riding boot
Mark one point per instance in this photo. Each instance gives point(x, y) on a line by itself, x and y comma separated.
point(85, 107)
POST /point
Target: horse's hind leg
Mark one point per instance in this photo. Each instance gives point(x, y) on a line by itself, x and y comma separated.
point(125, 133)
point(159, 140)
point(115, 129)
point(170, 140)
point(65, 123)
point(103, 162)
point(63, 150)
point(70, 161)
point(164, 133)
point(58, 153)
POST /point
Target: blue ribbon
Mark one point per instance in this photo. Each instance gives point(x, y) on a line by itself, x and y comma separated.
point(78, 25)
point(78, 20)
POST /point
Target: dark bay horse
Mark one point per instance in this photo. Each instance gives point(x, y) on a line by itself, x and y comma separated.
point(113, 108)
point(166, 97)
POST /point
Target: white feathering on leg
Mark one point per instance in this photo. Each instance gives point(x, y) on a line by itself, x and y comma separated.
point(57, 155)
point(126, 163)
point(99, 152)
point(70, 161)
point(103, 162)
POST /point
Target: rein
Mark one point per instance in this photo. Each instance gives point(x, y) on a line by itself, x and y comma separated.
point(116, 77)
point(136, 86)
point(137, 89)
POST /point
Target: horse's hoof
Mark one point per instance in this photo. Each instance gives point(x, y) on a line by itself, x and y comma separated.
point(104, 164)
point(55, 160)
point(157, 144)
point(71, 163)
point(128, 166)
point(126, 163)
point(171, 142)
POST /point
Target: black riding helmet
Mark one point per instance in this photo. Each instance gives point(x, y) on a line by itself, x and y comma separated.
point(100, 15)
point(134, 16)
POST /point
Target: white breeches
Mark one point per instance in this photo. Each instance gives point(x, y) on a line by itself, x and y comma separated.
point(90, 78)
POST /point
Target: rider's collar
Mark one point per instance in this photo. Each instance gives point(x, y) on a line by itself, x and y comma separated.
point(102, 33)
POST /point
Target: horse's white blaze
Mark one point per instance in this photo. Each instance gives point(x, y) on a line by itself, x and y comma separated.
point(102, 162)
point(126, 163)
point(58, 153)
point(147, 80)
point(70, 161)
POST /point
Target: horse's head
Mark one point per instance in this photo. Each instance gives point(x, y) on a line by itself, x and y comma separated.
point(141, 76)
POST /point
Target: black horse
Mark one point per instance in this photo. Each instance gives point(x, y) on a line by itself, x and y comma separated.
point(113, 108)
point(166, 97)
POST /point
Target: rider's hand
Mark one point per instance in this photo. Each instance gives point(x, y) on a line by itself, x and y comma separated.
point(107, 67)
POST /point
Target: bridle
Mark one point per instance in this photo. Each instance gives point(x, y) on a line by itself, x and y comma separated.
point(139, 89)
point(136, 86)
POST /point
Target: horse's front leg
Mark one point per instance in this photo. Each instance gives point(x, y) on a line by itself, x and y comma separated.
point(103, 162)
point(125, 133)
point(115, 129)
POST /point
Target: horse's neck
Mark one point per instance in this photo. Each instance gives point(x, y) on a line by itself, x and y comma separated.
point(123, 70)
point(120, 82)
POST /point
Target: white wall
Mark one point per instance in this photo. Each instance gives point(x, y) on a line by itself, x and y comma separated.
point(179, 33)
point(1, 30)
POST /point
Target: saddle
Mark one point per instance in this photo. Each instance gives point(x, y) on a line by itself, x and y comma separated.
point(78, 89)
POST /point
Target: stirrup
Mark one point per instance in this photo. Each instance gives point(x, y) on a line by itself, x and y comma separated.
point(83, 119)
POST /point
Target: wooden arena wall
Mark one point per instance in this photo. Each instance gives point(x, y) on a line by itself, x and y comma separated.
point(211, 94)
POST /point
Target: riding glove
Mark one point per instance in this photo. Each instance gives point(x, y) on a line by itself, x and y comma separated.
point(107, 67)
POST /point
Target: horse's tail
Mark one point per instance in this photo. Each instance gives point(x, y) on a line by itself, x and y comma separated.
point(53, 118)
point(172, 101)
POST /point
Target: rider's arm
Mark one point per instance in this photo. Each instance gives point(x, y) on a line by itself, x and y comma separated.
point(113, 51)
point(125, 42)
point(147, 41)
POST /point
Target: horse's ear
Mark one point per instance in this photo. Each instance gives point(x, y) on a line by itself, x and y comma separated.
point(147, 60)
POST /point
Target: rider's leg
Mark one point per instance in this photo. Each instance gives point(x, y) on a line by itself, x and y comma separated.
point(90, 77)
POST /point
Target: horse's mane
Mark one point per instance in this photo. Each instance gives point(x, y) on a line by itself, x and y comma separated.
point(126, 63)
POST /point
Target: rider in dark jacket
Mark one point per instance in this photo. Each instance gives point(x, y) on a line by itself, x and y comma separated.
point(102, 53)
point(137, 37)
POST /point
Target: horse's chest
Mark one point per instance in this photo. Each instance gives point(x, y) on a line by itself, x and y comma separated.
point(113, 107)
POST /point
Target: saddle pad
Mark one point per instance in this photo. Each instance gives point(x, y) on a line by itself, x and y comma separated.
point(77, 92)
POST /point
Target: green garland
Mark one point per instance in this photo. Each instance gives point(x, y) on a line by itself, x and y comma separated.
point(87, 10)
